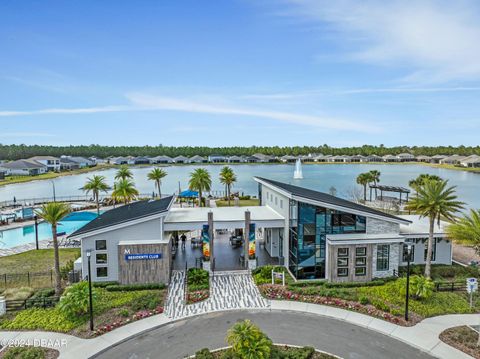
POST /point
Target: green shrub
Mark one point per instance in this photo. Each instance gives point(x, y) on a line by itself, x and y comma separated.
point(197, 276)
point(364, 300)
point(263, 275)
point(372, 283)
point(103, 284)
point(380, 305)
point(421, 287)
point(243, 198)
point(65, 269)
point(51, 319)
point(248, 341)
point(25, 353)
point(43, 293)
point(133, 287)
point(124, 312)
point(75, 299)
point(204, 354)
point(149, 301)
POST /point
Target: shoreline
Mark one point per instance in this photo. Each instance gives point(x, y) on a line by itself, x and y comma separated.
point(54, 175)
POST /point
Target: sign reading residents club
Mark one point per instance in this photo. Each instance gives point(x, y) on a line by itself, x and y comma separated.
point(143, 256)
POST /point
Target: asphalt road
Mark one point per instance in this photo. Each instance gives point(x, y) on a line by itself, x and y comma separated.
point(183, 338)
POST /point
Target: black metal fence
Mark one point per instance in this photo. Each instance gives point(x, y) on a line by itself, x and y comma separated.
point(27, 279)
point(14, 305)
point(450, 286)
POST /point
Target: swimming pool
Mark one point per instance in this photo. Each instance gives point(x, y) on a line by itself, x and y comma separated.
point(23, 235)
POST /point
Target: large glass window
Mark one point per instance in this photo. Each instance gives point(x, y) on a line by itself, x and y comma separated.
point(101, 245)
point(434, 250)
point(405, 253)
point(101, 258)
point(309, 226)
point(361, 261)
point(102, 272)
point(383, 257)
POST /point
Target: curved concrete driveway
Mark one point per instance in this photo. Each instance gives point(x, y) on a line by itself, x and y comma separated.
point(182, 338)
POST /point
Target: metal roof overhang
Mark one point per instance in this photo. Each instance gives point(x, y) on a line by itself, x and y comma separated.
point(182, 219)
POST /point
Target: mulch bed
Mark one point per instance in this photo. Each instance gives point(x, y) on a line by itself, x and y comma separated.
point(462, 338)
point(278, 292)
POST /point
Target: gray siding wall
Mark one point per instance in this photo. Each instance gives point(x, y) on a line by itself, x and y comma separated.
point(377, 226)
point(146, 230)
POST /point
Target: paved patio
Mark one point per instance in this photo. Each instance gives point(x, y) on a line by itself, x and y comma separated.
point(227, 257)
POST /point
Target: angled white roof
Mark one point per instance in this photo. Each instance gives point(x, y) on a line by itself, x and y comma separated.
point(421, 226)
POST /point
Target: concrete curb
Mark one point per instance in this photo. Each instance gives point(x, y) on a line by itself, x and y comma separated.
point(423, 336)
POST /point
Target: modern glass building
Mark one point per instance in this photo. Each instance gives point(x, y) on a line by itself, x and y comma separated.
point(327, 237)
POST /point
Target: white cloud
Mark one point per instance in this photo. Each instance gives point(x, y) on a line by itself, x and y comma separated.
point(68, 111)
point(437, 41)
point(147, 101)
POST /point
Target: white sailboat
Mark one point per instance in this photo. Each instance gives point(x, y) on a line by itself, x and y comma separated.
point(298, 174)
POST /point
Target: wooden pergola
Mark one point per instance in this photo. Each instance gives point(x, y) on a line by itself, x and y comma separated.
point(393, 189)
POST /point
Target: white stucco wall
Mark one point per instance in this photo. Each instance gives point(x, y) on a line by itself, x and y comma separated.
point(393, 262)
point(281, 204)
point(443, 254)
point(142, 231)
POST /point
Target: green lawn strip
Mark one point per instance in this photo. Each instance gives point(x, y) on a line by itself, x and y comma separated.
point(198, 285)
point(109, 307)
point(36, 261)
point(51, 175)
point(29, 352)
point(242, 203)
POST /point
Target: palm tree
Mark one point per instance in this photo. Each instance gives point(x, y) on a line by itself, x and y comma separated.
point(123, 173)
point(200, 181)
point(96, 184)
point(227, 177)
point(467, 230)
point(248, 341)
point(364, 179)
point(124, 191)
point(156, 175)
point(434, 200)
point(53, 212)
point(375, 177)
point(417, 182)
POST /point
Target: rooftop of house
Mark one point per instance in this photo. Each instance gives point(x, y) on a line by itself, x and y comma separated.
point(23, 164)
point(421, 225)
point(328, 199)
point(126, 213)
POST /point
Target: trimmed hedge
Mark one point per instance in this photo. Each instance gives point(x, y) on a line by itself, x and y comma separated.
point(133, 287)
point(103, 284)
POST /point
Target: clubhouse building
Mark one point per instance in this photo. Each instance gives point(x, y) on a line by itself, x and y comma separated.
point(313, 234)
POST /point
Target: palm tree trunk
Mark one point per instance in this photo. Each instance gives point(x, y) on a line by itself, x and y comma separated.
point(159, 190)
point(58, 279)
point(428, 262)
point(228, 193)
point(364, 193)
point(98, 204)
point(199, 198)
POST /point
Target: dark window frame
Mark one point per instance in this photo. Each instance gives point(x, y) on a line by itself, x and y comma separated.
point(383, 259)
point(100, 241)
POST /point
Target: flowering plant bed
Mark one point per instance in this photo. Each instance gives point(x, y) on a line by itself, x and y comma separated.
point(198, 296)
point(277, 352)
point(198, 285)
point(118, 323)
point(277, 292)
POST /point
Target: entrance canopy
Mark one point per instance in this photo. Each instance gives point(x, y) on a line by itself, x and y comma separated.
point(184, 219)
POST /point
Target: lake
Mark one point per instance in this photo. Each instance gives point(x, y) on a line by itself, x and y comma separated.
point(316, 176)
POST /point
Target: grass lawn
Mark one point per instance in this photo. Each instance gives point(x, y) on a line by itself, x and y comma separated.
point(36, 261)
point(110, 309)
point(49, 175)
point(243, 202)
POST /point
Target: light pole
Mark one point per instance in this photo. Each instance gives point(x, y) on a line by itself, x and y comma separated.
point(36, 231)
point(409, 252)
point(54, 196)
point(89, 255)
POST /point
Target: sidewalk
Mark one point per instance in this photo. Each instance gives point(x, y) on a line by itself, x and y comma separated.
point(424, 335)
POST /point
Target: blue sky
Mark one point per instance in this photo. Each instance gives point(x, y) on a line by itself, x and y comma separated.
point(240, 72)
